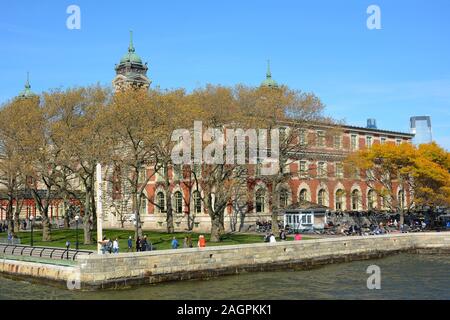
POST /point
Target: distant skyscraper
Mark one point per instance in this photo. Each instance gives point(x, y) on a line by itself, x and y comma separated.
point(421, 128)
point(371, 124)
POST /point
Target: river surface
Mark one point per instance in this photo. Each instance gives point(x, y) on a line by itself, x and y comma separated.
point(404, 276)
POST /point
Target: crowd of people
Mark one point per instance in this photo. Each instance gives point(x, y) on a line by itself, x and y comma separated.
point(144, 244)
point(270, 237)
point(391, 226)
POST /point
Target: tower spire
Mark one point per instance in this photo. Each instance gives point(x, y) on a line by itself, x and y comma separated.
point(268, 74)
point(131, 47)
point(269, 82)
point(27, 84)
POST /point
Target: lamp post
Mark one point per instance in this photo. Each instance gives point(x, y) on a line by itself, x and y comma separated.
point(31, 221)
point(77, 217)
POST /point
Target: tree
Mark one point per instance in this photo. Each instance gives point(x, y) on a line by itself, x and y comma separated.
point(78, 132)
point(12, 169)
point(290, 113)
point(220, 112)
point(388, 169)
point(134, 125)
point(431, 176)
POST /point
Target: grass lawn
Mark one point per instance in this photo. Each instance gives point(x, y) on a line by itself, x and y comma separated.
point(160, 240)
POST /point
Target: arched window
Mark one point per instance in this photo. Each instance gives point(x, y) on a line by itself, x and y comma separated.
point(197, 202)
point(401, 199)
point(303, 195)
point(284, 197)
point(161, 202)
point(339, 199)
point(178, 197)
point(321, 197)
point(371, 199)
point(355, 199)
point(260, 200)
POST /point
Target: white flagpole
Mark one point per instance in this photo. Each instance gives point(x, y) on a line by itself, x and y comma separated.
point(99, 207)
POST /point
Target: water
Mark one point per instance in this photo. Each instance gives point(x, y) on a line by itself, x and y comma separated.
point(405, 276)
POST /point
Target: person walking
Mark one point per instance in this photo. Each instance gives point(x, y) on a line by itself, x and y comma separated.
point(103, 244)
point(175, 243)
point(185, 243)
point(116, 246)
point(144, 244)
point(109, 246)
point(130, 244)
point(138, 244)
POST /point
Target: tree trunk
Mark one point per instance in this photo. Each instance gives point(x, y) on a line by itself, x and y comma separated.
point(169, 221)
point(222, 223)
point(87, 218)
point(169, 214)
point(10, 226)
point(66, 214)
point(136, 209)
point(402, 217)
point(215, 227)
point(87, 230)
point(16, 222)
point(275, 229)
point(46, 231)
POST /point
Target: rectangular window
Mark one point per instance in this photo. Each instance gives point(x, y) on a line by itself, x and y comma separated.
point(302, 138)
point(339, 170)
point(356, 174)
point(321, 170)
point(197, 170)
point(337, 141)
point(142, 175)
point(369, 141)
point(398, 141)
point(177, 172)
point(161, 173)
point(320, 138)
point(354, 142)
point(382, 140)
point(303, 168)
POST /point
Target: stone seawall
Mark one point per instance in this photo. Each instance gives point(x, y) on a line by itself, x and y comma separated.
point(129, 269)
point(113, 271)
point(35, 271)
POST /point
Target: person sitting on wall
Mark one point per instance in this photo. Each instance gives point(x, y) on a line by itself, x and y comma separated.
point(201, 241)
point(272, 238)
point(267, 237)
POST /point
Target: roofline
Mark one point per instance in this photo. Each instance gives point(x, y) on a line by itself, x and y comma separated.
point(396, 133)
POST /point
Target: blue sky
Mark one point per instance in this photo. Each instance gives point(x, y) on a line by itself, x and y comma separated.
point(320, 46)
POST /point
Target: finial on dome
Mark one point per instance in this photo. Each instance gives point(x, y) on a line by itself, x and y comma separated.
point(131, 47)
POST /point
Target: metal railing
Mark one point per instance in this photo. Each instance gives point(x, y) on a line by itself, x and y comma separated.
point(42, 252)
point(9, 241)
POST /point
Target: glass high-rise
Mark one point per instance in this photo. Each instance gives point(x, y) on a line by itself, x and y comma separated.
point(421, 128)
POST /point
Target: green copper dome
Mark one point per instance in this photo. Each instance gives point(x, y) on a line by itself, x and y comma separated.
point(269, 82)
point(131, 56)
point(27, 93)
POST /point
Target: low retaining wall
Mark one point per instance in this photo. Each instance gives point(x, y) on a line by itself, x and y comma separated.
point(182, 264)
point(36, 271)
point(124, 270)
